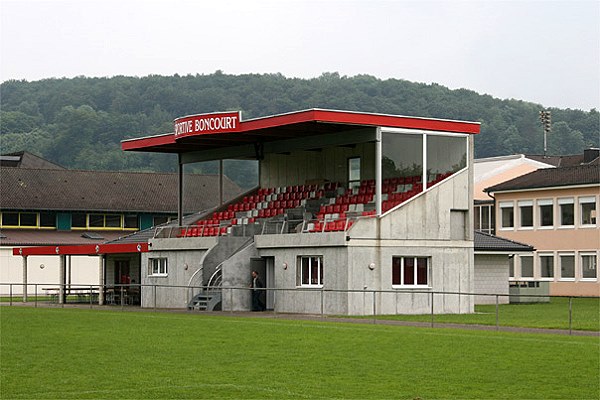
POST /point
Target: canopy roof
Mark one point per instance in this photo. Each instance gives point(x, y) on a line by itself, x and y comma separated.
point(299, 124)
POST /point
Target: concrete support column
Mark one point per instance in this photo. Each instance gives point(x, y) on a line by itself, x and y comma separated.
point(378, 174)
point(101, 280)
point(179, 190)
point(425, 163)
point(24, 279)
point(221, 182)
point(61, 278)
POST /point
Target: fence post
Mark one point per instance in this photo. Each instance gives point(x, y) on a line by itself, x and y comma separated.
point(91, 295)
point(570, 315)
point(321, 302)
point(154, 286)
point(432, 309)
point(374, 308)
point(10, 293)
point(497, 316)
point(36, 294)
point(231, 300)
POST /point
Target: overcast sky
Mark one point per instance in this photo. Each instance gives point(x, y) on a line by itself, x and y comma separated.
point(541, 51)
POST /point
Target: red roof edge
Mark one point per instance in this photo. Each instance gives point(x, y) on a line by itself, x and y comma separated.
point(86, 249)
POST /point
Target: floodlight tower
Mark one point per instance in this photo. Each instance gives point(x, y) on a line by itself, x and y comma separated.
point(546, 119)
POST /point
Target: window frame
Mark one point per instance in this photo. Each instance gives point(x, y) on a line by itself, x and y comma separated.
point(560, 267)
point(587, 200)
point(507, 205)
point(521, 204)
point(545, 203)
point(300, 271)
point(532, 277)
point(19, 224)
point(570, 201)
point(352, 183)
point(546, 255)
point(595, 257)
point(402, 272)
point(158, 267)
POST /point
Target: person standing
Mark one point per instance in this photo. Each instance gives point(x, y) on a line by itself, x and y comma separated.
point(257, 285)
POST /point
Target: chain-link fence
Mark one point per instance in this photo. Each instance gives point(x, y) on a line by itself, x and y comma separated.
point(570, 313)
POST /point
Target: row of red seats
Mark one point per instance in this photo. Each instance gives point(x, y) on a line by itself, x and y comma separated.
point(202, 231)
point(332, 226)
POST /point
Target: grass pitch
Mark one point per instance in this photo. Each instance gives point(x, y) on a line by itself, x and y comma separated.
point(74, 353)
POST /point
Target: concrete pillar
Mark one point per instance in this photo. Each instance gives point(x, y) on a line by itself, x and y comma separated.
point(221, 182)
point(101, 280)
point(61, 278)
point(378, 174)
point(179, 190)
point(24, 279)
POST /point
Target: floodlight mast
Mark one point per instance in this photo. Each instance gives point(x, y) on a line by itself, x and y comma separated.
point(546, 119)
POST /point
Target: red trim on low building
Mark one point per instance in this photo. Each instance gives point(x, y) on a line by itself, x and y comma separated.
point(86, 250)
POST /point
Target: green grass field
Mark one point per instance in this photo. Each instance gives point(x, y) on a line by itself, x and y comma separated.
point(553, 315)
point(55, 353)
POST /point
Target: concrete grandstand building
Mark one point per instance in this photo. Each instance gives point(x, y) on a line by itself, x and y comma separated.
point(346, 202)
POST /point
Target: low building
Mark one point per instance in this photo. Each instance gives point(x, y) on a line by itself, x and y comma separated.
point(43, 204)
point(554, 210)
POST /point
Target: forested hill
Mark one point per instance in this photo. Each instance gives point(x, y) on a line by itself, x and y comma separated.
point(80, 122)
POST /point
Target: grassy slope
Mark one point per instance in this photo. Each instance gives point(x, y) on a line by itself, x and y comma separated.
point(70, 353)
point(554, 315)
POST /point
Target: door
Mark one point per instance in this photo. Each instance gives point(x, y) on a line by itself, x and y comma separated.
point(270, 281)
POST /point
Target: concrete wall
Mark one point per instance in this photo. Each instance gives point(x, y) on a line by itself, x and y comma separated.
point(286, 249)
point(84, 271)
point(236, 272)
point(330, 163)
point(185, 258)
point(491, 277)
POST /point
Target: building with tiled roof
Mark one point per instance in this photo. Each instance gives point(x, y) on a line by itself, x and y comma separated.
point(43, 204)
point(554, 210)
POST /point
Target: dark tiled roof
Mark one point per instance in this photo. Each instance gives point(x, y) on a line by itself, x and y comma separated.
point(552, 177)
point(25, 159)
point(486, 242)
point(589, 156)
point(73, 190)
point(40, 237)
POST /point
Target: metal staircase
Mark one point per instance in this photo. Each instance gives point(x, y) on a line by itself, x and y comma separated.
point(209, 298)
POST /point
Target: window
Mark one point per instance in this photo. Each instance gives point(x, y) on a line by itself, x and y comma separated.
point(546, 266)
point(157, 267)
point(484, 218)
point(162, 219)
point(567, 266)
point(587, 207)
point(131, 221)
point(309, 271)
point(511, 266)
point(353, 172)
point(526, 213)
point(546, 207)
point(567, 212)
point(48, 219)
point(104, 220)
point(588, 266)
point(526, 266)
point(21, 219)
point(78, 220)
point(410, 271)
point(507, 215)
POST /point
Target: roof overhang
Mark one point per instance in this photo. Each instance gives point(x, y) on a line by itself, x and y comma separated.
point(85, 250)
point(295, 125)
